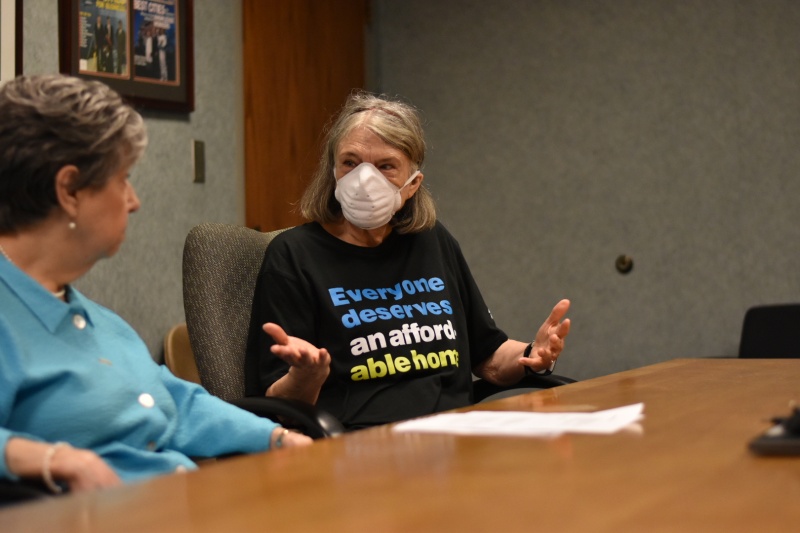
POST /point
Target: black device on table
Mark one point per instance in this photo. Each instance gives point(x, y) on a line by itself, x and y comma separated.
point(783, 438)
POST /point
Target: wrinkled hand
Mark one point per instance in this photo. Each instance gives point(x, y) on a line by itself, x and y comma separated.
point(290, 439)
point(296, 439)
point(82, 469)
point(549, 340)
point(302, 356)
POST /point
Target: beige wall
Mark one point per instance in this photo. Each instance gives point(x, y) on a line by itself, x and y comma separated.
point(566, 132)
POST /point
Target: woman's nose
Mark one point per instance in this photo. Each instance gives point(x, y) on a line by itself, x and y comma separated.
point(133, 200)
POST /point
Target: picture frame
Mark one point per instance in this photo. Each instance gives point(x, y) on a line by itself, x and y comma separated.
point(143, 49)
point(10, 39)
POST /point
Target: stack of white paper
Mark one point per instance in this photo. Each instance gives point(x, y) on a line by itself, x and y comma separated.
point(526, 424)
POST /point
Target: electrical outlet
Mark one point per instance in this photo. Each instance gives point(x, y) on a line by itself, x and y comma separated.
point(199, 159)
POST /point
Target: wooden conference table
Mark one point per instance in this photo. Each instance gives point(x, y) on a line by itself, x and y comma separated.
point(687, 470)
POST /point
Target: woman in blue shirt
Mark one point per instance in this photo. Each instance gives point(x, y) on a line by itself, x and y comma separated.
point(82, 403)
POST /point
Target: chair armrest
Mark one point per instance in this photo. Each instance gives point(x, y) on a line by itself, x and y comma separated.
point(482, 389)
point(12, 492)
point(543, 382)
point(312, 421)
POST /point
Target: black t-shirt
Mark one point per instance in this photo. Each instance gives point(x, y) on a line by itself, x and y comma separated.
point(404, 322)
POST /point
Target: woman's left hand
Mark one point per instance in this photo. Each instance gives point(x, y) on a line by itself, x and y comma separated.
point(288, 439)
point(549, 341)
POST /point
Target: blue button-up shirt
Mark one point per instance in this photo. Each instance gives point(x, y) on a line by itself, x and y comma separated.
point(76, 372)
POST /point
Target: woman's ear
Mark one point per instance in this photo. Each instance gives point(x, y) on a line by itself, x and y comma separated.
point(66, 192)
point(415, 184)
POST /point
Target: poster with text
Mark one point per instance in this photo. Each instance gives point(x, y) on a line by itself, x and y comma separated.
point(155, 46)
point(103, 38)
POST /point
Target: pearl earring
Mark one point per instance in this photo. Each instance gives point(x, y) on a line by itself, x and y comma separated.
point(72, 225)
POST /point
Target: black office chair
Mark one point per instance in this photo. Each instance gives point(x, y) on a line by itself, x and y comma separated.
point(771, 331)
point(482, 389)
point(220, 267)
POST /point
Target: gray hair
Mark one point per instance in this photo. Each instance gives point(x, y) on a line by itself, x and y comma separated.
point(50, 121)
point(398, 124)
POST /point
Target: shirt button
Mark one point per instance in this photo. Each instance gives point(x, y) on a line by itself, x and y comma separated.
point(145, 400)
point(79, 321)
point(151, 446)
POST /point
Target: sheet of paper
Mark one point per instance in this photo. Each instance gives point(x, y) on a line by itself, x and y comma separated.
point(526, 424)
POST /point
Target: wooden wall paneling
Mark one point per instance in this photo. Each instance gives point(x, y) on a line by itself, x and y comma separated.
point(301, 60)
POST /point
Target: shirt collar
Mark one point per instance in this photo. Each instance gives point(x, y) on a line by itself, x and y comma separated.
point(50, 311)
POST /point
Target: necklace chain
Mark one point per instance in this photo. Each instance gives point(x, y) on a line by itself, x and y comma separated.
point(58, 294)
point(5, 254)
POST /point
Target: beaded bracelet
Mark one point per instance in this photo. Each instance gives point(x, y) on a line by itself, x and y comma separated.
point(46, 460)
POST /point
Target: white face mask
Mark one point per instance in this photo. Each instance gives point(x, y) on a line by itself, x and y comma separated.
point(367, 198)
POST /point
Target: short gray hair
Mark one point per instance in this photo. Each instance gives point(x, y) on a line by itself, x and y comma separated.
point(50, 121)
point(399, 125)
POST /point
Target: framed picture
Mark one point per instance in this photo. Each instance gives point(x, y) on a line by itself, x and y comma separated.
point(143, 49)
point(10, 39)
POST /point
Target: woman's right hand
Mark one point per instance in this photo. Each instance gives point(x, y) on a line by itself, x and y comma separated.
point(307, 362)
point(309, 366)
point(82, 469)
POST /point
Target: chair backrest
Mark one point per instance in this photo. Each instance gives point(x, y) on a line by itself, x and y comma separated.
point(771, 331)
point(220, 267)
point(178, 355)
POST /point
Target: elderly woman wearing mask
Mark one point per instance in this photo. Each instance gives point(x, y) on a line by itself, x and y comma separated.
point(370, 310)
point(82, 403)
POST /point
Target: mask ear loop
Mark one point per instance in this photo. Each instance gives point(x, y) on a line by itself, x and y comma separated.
point(409, 180)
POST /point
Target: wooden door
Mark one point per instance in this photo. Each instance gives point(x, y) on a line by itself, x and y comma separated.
point(301, 60)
